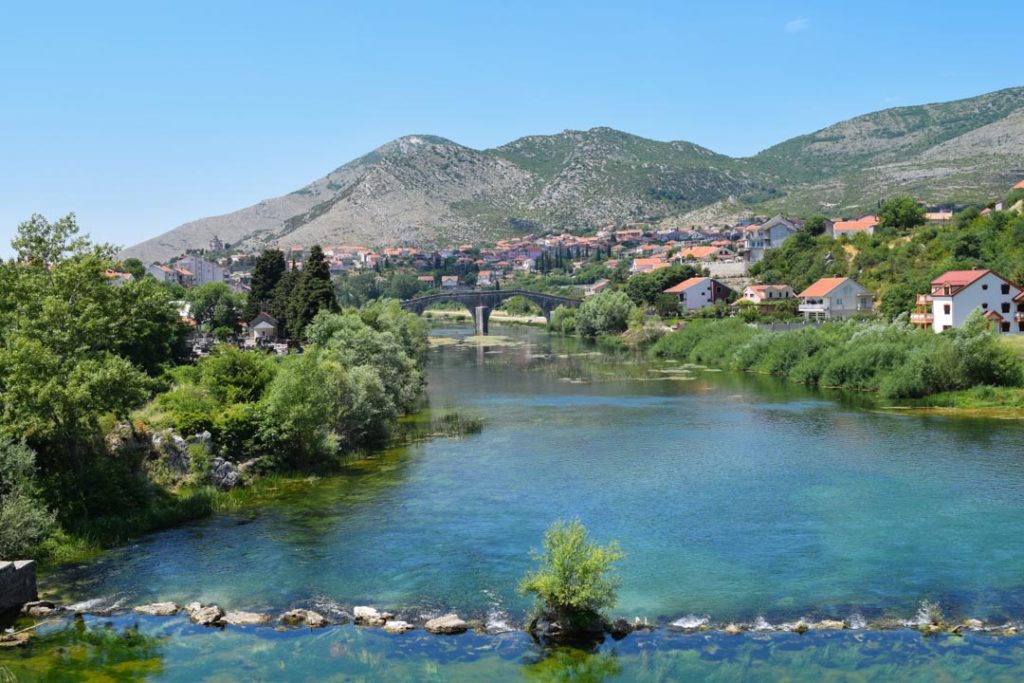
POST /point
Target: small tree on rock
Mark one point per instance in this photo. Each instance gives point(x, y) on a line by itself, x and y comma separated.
point(576, 580)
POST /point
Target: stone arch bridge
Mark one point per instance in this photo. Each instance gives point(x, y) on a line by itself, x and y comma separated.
point(481, 302)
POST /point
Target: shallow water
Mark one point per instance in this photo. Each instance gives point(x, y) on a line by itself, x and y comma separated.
point(734, 497)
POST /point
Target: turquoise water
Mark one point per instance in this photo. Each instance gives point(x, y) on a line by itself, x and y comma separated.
point(734, 497)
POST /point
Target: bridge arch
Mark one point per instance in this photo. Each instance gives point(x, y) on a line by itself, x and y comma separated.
point(481, 302)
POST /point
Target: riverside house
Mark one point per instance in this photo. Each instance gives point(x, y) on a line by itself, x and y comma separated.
point(958, 293)
point(699, 292)
point(766, 294)
point(835, 297)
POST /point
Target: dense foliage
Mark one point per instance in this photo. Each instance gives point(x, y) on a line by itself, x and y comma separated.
point(24, 519)
point(576, 579)
point(893, 359)
point(361, 370)
point(604, 313)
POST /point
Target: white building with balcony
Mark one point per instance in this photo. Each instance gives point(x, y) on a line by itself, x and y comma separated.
point(835, 297)
point(958, 293)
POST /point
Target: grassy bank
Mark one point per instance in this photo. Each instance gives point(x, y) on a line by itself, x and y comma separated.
point(961, 368)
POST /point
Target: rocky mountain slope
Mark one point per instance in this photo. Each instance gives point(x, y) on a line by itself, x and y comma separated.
point(426, 191)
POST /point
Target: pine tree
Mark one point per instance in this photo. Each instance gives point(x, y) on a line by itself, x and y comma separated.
point(279, 304)
point(313, 291)
point(270, 266)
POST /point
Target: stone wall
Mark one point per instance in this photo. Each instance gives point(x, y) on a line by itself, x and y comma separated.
point(17, 584)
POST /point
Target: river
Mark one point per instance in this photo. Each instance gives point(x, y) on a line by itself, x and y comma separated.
point(734, 497)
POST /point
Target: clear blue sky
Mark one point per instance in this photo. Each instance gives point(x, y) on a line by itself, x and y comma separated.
point(143, 115)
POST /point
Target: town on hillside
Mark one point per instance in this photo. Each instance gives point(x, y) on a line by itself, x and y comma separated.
point(718, 270)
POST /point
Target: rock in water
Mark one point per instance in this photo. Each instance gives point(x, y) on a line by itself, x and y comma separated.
point(398, 626)
point(158, 609)
point(619, 629)
point(240, 618)
point(449, 624)
point(368, 616)
point(208, 616)
point(294, 617)
point(831, 624)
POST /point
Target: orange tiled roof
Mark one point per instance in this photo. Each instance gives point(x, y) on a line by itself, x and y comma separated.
point(823, 286)
point(685, 285)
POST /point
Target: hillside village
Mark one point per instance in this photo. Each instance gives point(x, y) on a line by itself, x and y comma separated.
point(729, 259)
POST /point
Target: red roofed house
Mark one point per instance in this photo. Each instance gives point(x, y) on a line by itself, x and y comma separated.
point(1018, 186)
point(710, 253)
point(835, 297)
point(958, 293)
point(646, 265)
point(865, 224)
point(699, 292)
point(763, 294)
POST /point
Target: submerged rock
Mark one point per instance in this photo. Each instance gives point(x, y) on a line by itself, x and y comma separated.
point(619, 628)
point(830, 624)
point(157, 609)
point(14, 639)
point(294, 617)
point(449, 624)
point(398, 626)
point(38, 608)
point(240, 618)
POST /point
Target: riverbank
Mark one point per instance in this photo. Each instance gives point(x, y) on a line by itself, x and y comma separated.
point(967, 369)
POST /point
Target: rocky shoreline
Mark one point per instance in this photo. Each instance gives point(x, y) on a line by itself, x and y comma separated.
point(928, 621)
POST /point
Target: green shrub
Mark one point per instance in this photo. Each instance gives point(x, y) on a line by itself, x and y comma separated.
point(604, 313)
point(24, 519)
point(576, 580)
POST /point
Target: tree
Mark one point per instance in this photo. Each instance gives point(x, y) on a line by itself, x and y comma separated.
point(604, 313)
point(313, 292)
point(281, 301)
point(576, 580)
point(134, 267)
point(815, 225)
point(214, 305)
point(270, 266)
point(73, 348)
point(897, 299)
point(901, 213)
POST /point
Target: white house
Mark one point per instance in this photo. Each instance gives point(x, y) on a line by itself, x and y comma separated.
point(958, 293)
point(766, 294)
point(203, 271)
point(262, 329)
point(835, 297)
point(699, 292)
point(757, 239)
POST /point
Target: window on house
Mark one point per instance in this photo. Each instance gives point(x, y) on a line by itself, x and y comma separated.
point(945, 309)
point(1006, 327)
point(1006, 307)
point(984, 286)
point(985, 305)
point(1005, 289)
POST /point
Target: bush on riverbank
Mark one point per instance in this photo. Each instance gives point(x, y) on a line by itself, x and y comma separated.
point(893, 359)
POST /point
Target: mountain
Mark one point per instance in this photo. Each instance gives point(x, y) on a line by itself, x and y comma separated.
point(428, 191)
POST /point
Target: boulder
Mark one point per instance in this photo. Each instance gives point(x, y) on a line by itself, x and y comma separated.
point(224, 474)
point(14, 639)
point(801, 627)
point(173, 451)
point(974, 624)
point(398, 626)
point(210, 615)
point(294, 617)
point(158, 609)
point(732, 630)
point(240, 618)
point(368, 616)
point(449, 624)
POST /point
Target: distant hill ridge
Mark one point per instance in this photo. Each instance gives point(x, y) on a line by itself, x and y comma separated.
point(424, 190)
